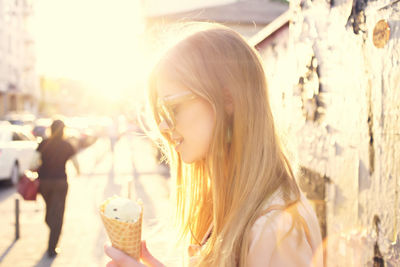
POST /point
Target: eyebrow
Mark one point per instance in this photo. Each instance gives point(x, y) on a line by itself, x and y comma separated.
point(173, 96)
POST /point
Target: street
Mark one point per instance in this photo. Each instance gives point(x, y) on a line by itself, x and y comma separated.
point(131, 170)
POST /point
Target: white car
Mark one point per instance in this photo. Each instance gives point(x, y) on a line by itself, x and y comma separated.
point(17, 148)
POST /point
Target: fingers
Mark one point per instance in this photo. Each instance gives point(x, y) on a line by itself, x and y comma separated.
point(144, 253)
point(147, 258)
point(111, 264)
point(120, 259)
point(113, 253)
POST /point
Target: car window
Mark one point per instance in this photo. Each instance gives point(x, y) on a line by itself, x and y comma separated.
point(16, 137)
point(22, 136)
point(26, 136)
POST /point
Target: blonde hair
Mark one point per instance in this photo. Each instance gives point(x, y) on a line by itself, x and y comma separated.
point(245, 164)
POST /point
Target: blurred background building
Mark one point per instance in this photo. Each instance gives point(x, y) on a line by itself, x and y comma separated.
point(19, 85)
point(245, 16)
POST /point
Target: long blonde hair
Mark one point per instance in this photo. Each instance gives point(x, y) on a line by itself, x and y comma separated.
point(245, 164)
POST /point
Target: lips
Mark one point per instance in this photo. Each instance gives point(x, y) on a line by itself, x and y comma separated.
point(178, 143)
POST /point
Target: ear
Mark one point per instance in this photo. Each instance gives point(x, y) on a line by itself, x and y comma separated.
point(228, 101)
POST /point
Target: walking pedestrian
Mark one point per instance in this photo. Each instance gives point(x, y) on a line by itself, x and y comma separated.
point(237, 199)
point(55, 152)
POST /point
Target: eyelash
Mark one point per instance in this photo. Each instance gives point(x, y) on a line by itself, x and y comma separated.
point(174, 110)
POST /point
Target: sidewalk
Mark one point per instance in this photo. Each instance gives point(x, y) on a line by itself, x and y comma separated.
point(83, 235)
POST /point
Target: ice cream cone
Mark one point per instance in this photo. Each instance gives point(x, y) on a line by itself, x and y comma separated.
point(124, 236)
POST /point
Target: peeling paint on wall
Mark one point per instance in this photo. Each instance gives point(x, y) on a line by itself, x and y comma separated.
point(357, 17)
point(309, 89)
point(351, 76)
point(370, 122)
point(313, 186)
point(378, 258)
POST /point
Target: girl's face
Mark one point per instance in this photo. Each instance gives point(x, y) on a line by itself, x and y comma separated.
point(186, 119)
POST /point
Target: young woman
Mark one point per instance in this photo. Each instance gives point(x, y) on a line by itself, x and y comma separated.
point(237, 199)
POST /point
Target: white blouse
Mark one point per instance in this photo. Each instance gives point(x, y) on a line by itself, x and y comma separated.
point(269, 248)
point(268, 244)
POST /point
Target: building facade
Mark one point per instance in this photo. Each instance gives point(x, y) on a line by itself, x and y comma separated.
point(19, 85)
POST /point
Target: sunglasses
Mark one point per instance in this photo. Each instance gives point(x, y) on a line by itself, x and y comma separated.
point(167, 106)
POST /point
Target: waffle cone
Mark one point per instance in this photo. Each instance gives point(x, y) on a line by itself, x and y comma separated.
point(124, 236)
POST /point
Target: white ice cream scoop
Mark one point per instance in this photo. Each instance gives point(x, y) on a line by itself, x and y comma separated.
point(123, 209)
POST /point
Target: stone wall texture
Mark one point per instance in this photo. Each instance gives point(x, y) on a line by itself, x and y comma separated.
point(334, 81)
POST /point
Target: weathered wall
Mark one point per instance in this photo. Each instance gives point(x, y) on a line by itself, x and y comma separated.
point(336, 96)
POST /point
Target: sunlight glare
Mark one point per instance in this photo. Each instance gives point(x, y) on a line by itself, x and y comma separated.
point(97, 42)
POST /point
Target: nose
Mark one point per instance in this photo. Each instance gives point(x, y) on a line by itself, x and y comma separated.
point(163, 126)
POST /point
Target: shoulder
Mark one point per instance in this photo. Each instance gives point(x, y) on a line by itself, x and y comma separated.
point(269, 228)
point(272, 242)
point(68, 147)
point(42, 144)
point(273, 221)
point(66, 143)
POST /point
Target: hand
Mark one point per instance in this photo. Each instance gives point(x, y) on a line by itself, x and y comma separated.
point(120, 259)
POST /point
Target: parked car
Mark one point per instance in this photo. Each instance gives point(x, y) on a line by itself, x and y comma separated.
point(23, 119)
point(17, 147)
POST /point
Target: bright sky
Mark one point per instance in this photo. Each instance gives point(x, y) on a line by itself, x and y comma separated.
point(97, 41)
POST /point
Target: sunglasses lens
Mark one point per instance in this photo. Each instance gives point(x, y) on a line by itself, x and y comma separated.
point(167, 105)
point(166, 115)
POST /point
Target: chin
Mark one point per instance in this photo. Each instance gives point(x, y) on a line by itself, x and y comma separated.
point(189, 159)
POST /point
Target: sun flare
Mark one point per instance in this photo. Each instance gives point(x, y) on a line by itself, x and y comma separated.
point(97, 42)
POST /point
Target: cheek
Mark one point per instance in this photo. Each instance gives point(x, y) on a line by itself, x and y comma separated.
point(202, 129)
point(198, 131)
point(196, 144)
point(206, 131)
